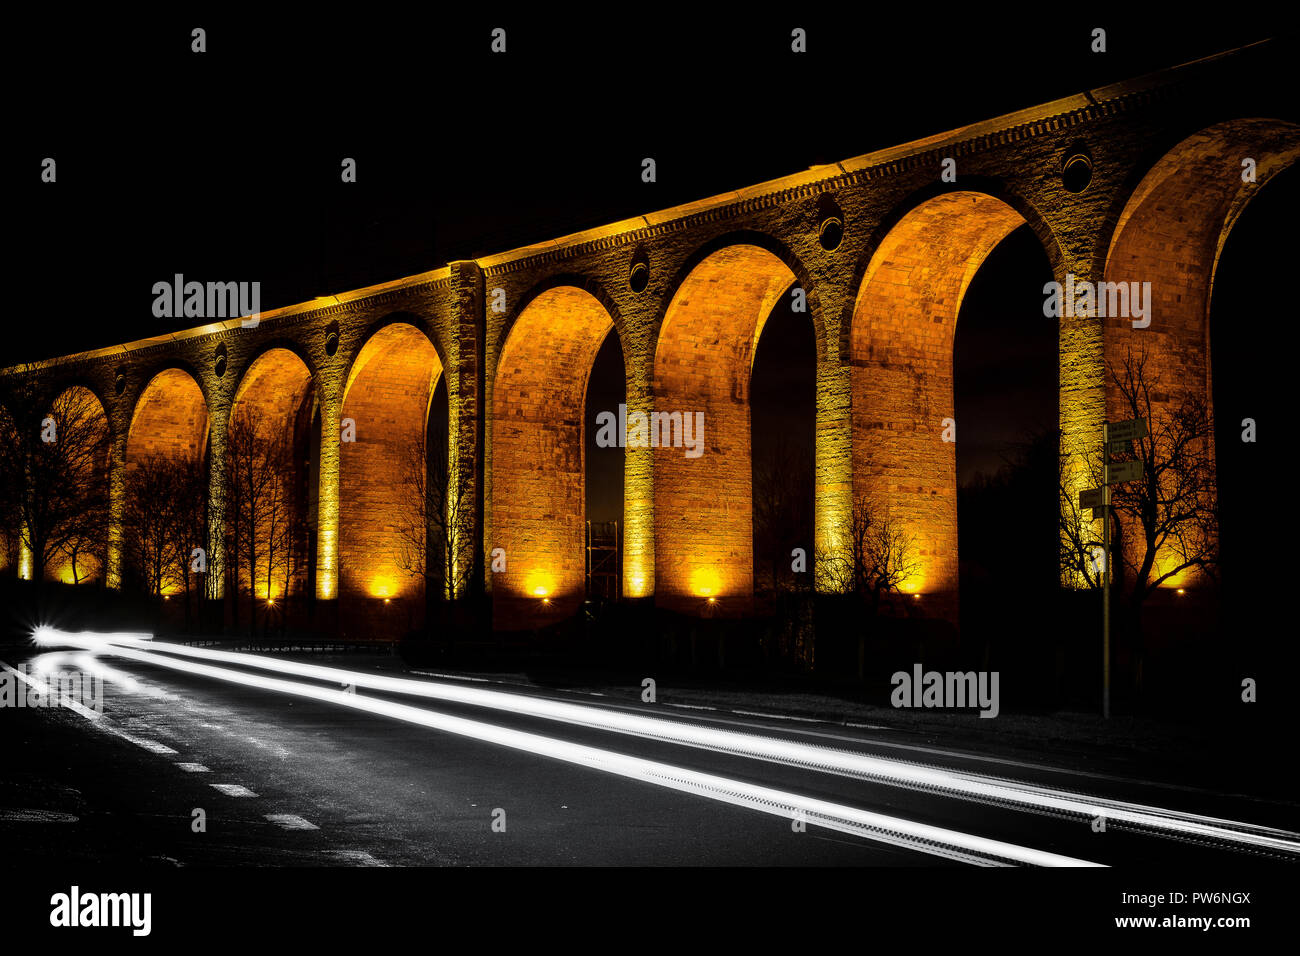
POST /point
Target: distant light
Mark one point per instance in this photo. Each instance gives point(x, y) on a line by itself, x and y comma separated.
point(546, 600)
point(916, 596)
point(270, 603)
point(1182, 591)
point(713, 600)
point(388, 600)
point(167, 597)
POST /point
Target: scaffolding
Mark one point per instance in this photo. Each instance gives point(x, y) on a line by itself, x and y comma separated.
point(604, 561)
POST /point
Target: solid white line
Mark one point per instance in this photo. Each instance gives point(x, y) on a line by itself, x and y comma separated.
point(193, 768)
point(64, 701)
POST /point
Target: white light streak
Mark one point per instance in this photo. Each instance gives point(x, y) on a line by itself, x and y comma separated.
point(937, 841)
point(963, 784)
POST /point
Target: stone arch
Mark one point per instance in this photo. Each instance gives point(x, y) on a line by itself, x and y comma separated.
point(408, 319)
point(538, 457)
point(81, 419)
point(901, 359)
point(977, 185)
point(1171, 232)
point(565, 280)
point(271, 416)
point(773, 247)
point(389, 389)
point(170, 419)
point(169, 423)
point(703, 359)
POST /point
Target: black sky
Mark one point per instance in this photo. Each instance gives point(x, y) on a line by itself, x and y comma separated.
point(227, 163)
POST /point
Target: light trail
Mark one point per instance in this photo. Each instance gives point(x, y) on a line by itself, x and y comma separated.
point(936, 841)
point(966, 785)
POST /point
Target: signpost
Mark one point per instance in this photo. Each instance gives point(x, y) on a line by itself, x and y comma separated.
point(1124, 471)
point(1115, 439)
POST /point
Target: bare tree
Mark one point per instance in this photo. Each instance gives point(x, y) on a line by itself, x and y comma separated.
point(436, 515)
point(258, 468)
point(54, 469)
point(879, 556)
point(189, 530)
point(1165, 523)
point(149, 524)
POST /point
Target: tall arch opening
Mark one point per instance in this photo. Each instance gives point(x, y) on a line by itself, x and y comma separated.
point(388, 564)
point(605, 464)
point(538, 456)
point(1251, 356)
point(1006, 394)
point(166, 464)
point(700, 430)
point(1171, 234)
point(901, 355)
point(783, 416)
point(267, 468)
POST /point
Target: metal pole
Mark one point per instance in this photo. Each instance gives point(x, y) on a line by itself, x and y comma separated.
point(1105, 570)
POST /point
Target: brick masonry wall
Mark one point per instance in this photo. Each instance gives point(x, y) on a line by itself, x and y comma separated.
point(1017, 160)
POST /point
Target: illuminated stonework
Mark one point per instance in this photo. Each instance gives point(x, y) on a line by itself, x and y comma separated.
point(538, 455)
point(901, 354)
point(387, 403)
point(687, 290)
point(704, 528)
point(1171, 233)
point(274, 405)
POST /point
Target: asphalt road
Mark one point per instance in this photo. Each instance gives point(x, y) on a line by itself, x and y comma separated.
point(283, 778)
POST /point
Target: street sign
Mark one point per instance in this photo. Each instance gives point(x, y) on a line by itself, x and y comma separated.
point(1090, 499)
point(1125, 471)
point(1125, 431)
point(1121, 447)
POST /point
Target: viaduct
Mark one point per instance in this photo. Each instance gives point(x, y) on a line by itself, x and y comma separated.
point(1139, 181)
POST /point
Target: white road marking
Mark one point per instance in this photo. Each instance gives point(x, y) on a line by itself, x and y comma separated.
point(962, 784)
point(193, 768)
point(150, 745)
point(355, 857)
point(876, 827)
point(291, 821)
point(233, 789)
point(754, 713)
point(23, 815)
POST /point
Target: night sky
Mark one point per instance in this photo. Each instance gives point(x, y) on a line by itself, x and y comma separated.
point(227, 164)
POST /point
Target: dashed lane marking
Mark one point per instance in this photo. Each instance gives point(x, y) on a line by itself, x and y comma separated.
point(233, 790)
point(291, 821)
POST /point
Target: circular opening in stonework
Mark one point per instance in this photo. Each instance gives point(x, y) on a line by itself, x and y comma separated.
point(640, 277)
point(831, 233)
point(119, 383)
point(331, 343)
point(220, 365)
point(1076, 174)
